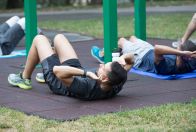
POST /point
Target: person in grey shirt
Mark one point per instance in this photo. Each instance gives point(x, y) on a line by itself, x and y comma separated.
point(157, 59)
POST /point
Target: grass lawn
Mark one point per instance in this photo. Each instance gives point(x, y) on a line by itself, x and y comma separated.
point(170, 117)
point(171, 26)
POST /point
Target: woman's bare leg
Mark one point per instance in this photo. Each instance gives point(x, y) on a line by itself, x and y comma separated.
point(190, 29)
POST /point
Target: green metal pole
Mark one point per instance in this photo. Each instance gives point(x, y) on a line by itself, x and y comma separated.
point(140, 18)
point(110, 28)
point(30, 22)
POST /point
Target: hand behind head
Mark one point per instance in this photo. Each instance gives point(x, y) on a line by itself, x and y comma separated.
point(193, 54)
point(92, 75)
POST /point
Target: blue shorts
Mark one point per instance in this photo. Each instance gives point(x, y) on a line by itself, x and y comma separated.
point(147, 63)
point(167, 66)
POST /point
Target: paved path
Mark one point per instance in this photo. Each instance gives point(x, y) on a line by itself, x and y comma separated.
point(94, 13)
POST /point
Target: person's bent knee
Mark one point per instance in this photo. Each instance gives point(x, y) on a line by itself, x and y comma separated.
point(37, 38)
point(58, 37)
point(121, 42)
point(194, 18)
point(132, 38)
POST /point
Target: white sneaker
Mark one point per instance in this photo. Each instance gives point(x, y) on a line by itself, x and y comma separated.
point(40, 77)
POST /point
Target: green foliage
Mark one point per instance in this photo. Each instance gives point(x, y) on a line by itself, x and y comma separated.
point(4, 126)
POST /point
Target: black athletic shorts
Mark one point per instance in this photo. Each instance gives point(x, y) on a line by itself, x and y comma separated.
point(53, 82)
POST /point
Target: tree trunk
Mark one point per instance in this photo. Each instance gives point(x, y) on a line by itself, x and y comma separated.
point(95, 2)
point(12, 4)
point(67, 2)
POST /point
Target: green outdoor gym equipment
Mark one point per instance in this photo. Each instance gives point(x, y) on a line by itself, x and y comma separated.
point(110, 24)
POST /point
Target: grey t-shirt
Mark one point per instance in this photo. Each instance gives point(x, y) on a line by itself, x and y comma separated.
point(138, 49)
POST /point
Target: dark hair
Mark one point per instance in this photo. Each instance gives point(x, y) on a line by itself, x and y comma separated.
point(188, 46)
point(117, 75)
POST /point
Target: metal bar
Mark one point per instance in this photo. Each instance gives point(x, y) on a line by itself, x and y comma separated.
point(140, 18)
point(30, 22)
point(110, 28)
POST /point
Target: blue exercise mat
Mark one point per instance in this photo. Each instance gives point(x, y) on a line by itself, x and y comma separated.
point(14, 54)
point(165, 77)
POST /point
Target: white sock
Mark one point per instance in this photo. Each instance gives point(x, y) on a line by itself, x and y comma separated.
point(21, 22)
point(12, 20)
